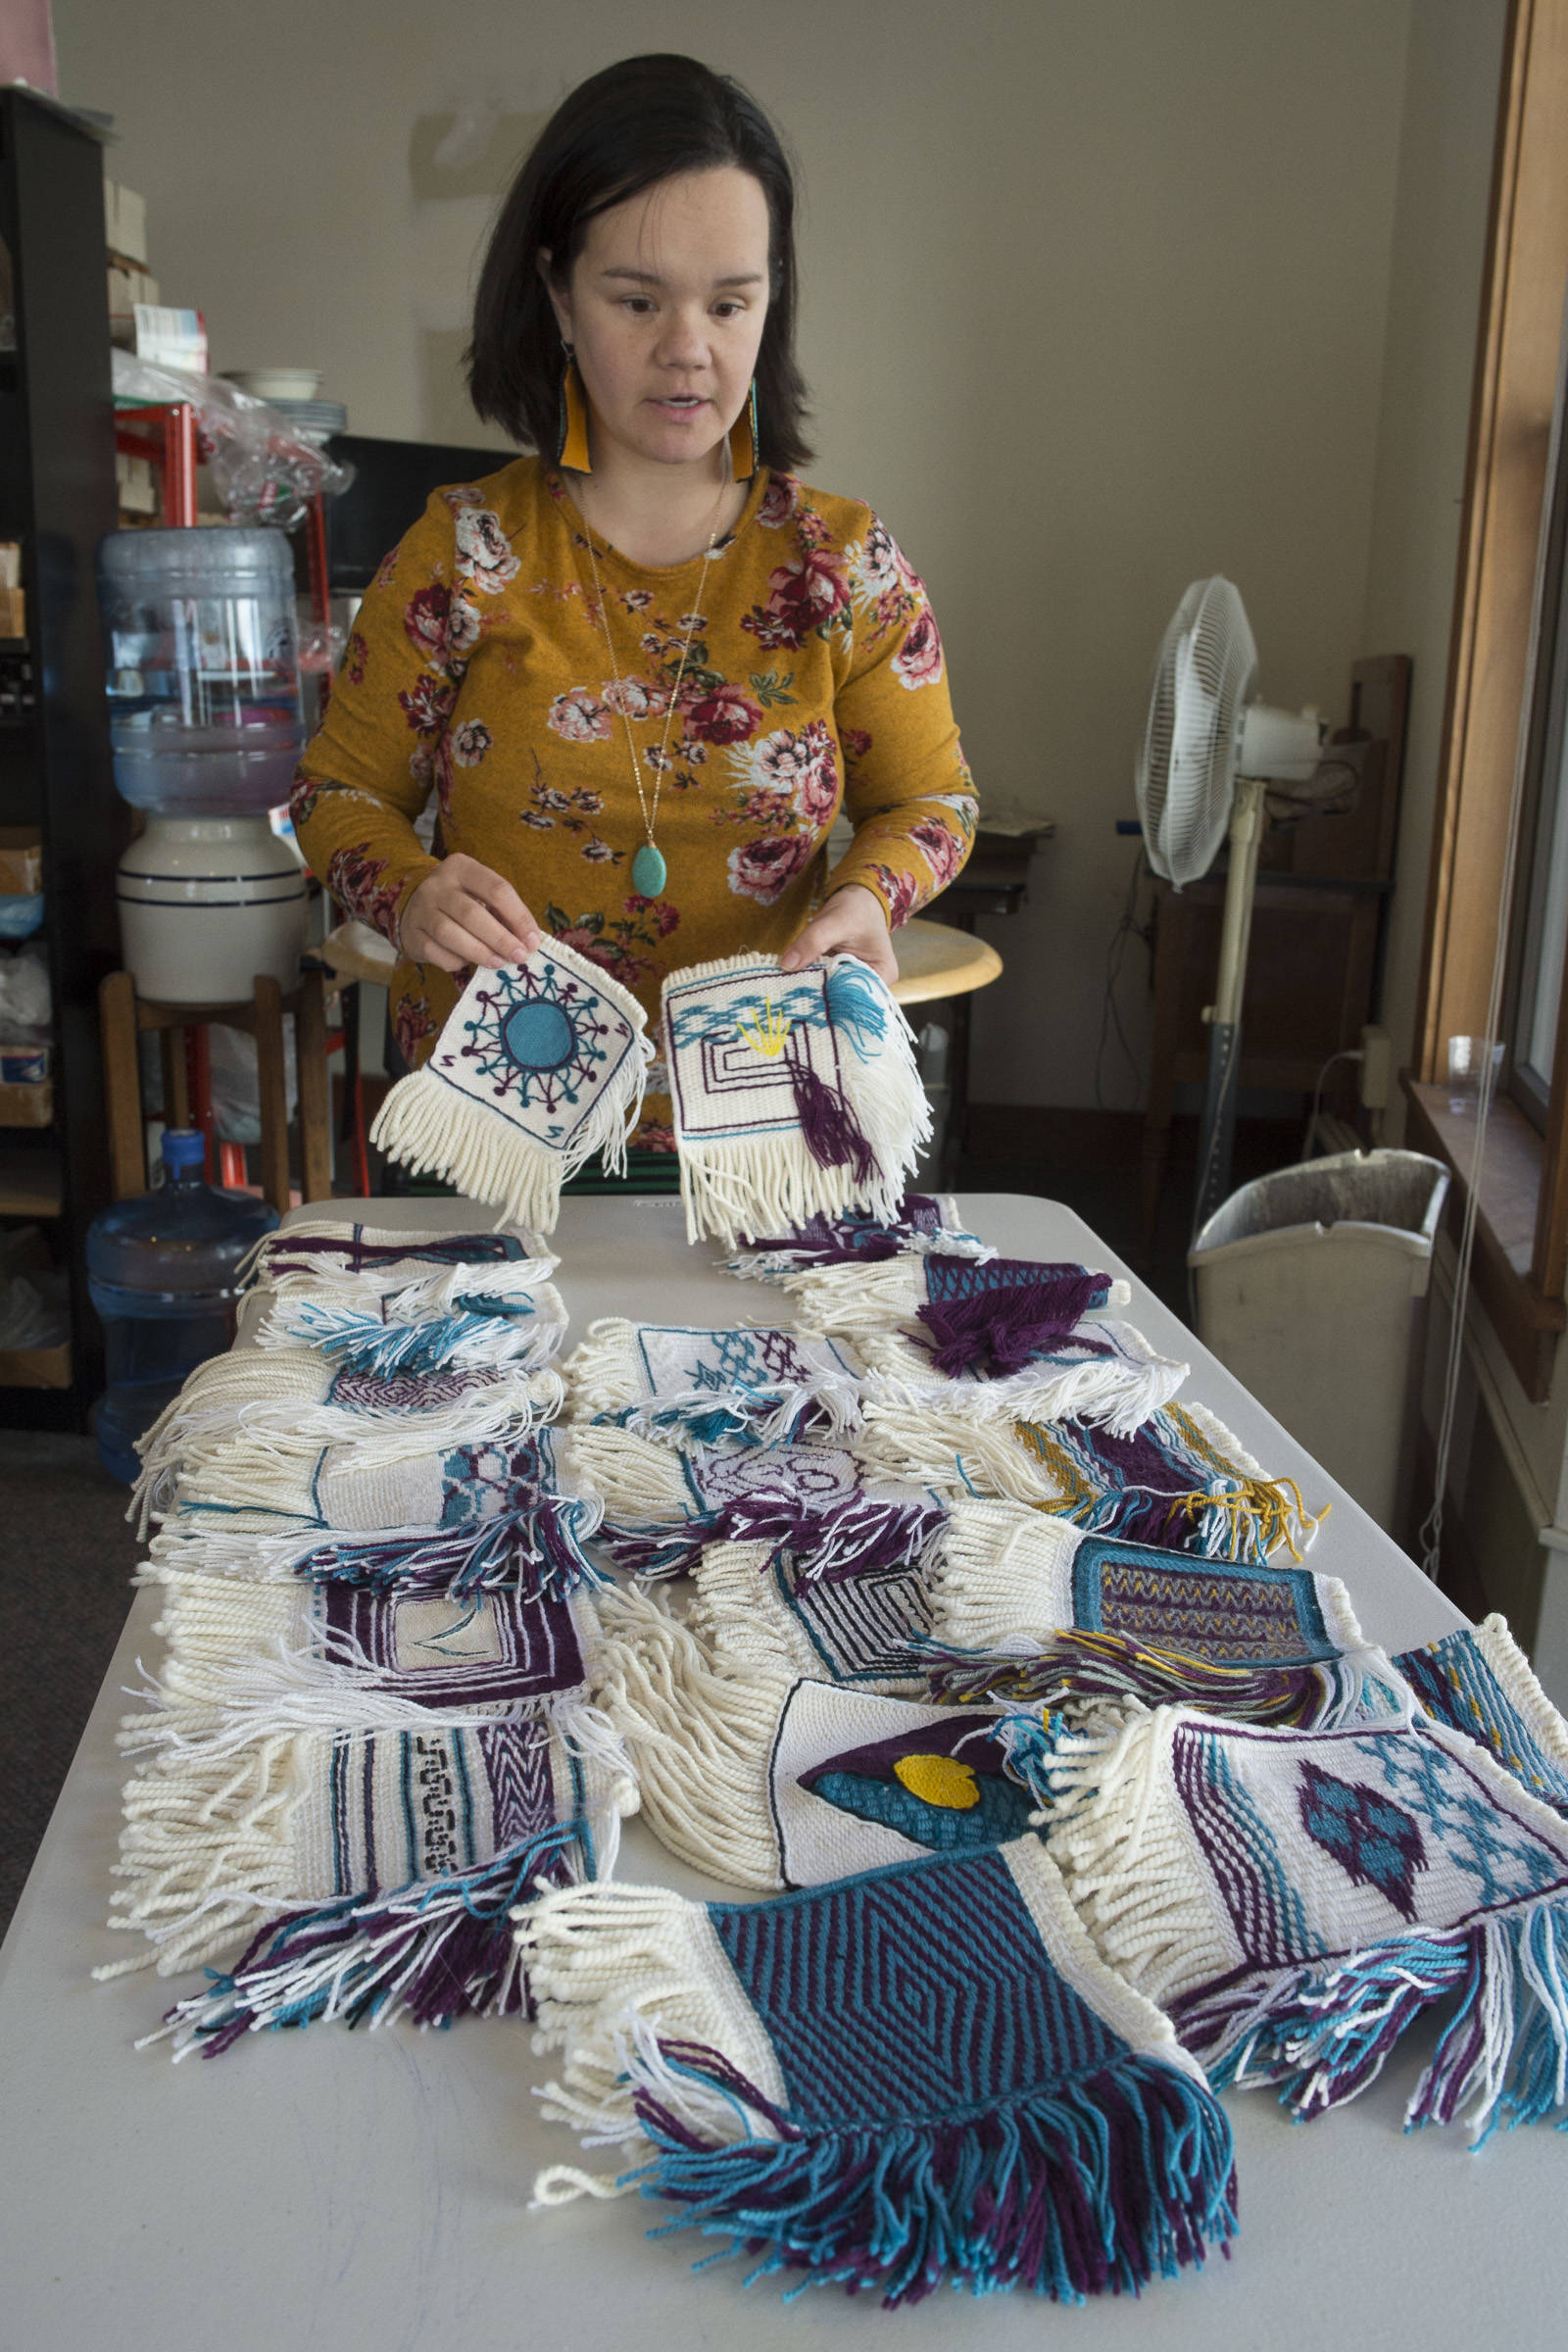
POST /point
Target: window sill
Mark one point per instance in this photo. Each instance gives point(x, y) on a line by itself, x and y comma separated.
point(1525, 1321)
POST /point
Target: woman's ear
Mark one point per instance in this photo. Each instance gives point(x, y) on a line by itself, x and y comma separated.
point(543, 263)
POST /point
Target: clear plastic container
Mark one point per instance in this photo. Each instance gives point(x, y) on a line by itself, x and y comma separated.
point(203, 687)
point(161, 1269)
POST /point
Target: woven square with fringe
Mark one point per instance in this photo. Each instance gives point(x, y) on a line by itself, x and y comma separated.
point(541, 1066)
point(247, 1659)
point(463, 1316)
point(1182, 1479)
point(217, 1843)
point(924, 1221)
point(1004, 1576)
point(331, 1249)
point(1296, 1899)
point(761, 1613)
point(920, 2076)
point(983, 1318)
point(663, 1508)
point(690, 1387)
point(457, 1517)
point(728, 1762)
point(1482, 1683)
point(796, 1094)
point(245, 1423)
point(1094, 1372)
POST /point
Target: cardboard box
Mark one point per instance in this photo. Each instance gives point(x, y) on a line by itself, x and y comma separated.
point(20, 858)
point(27, 1105)
point(35, 1367)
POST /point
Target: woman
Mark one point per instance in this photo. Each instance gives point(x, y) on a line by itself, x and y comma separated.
point(642, 669)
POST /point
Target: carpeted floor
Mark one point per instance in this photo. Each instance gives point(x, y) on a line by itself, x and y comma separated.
point(65, 1561)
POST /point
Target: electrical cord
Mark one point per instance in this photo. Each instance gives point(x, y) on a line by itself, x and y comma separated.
point(1109, 1009)
point(1344, 1053)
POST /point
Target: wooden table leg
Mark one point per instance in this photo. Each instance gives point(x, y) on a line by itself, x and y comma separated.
point(273, 1090)
point(127, 1136)
point(315, 1093)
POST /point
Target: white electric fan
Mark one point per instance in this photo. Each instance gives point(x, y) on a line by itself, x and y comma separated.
point(1210, 752)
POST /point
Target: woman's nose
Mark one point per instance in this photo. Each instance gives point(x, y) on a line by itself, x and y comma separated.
point(684, 340)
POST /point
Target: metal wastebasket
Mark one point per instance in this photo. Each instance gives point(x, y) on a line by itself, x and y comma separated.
point(1311, 1288)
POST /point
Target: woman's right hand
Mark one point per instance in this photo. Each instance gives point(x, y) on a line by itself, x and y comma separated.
point(465, 915)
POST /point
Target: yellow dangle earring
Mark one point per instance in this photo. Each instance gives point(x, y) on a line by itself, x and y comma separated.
point(571, 433)
point(744, 448)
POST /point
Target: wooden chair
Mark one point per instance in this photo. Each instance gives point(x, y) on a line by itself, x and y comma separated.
point(181, 1035)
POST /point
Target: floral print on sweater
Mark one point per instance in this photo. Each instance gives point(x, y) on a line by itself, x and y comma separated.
point(476, 672)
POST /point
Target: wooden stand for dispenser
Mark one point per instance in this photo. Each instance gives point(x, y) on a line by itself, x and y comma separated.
point(181, 1029)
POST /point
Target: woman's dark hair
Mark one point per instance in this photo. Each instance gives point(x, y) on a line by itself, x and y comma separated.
point(623, 131)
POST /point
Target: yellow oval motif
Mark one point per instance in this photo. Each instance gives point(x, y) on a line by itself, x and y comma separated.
point(939, 1781)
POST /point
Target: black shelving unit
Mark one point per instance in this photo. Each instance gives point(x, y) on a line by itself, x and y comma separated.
point(58, 498)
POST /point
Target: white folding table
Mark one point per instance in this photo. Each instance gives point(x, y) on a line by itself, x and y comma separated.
point(367, 2191)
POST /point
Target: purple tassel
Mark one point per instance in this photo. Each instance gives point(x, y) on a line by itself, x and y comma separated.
point(998, 1330)
point(833, 1135)
point(435, 1950)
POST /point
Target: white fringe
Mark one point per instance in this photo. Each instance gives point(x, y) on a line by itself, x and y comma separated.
point(855, 1301)
point(437, 1129)
point(1124, 1842)
point(771, 1184)
point(243, 1420)
point(1514, 1671)
point(700, 1739)
point(735, 1610)
point(605, 1382)
point(610, 1967)
point(207, 1852)
point(630, 1478)
point(304, 1311)
point(1121, 1390)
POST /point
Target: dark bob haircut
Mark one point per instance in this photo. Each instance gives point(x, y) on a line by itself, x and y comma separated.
point(642, 121)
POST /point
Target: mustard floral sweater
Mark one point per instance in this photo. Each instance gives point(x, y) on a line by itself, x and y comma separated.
point(477, 671)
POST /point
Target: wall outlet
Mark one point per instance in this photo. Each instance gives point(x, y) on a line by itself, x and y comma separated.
point(1377, 1068)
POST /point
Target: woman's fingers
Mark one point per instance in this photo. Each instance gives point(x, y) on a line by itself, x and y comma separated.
point(852, 922)
point(463, 915)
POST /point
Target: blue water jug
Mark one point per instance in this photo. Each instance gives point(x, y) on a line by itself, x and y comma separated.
point(204, 686)
point(161, 1272)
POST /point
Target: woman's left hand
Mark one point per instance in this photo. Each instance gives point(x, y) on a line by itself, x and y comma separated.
point(852, 923)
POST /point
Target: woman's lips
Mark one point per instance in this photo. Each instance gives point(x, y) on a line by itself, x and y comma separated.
point(679, 407)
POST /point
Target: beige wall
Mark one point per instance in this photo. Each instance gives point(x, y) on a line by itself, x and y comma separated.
point(1096, 299)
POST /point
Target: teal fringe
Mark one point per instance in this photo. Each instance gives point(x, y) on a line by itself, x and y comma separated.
point(364, 1344)
point(1110, 2181)
point(1501, 2058)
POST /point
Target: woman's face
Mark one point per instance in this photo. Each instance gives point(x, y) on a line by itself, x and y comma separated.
point(665, 308)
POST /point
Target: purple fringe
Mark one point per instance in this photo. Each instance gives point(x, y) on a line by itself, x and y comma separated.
point(833, 1135)
point(996, 1329)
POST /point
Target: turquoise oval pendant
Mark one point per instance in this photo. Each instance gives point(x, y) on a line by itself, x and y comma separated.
point(648, 871)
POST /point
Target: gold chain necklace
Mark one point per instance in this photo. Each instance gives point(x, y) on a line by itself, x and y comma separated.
point(647, 868)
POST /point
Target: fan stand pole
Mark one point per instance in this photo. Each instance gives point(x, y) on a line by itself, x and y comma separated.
point(1224, 1016)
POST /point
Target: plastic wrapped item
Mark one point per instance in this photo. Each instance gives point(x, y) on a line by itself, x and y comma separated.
point(24, 1005)
point(264, 470)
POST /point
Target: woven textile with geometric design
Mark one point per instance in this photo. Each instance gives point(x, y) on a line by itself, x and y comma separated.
point(1296, 1899)
point(540, 1066)
point(795, 1095)
point(920, 2074)
point(1480, 1683)
point(1181, 1479)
